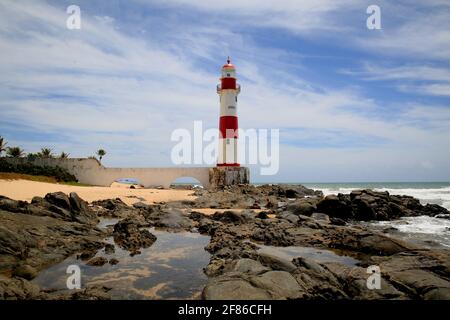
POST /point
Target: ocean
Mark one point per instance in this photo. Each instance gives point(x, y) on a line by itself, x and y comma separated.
point(423, 229)
point(426, 192)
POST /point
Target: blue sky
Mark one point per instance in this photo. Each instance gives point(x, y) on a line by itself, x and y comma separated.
point(351, 104)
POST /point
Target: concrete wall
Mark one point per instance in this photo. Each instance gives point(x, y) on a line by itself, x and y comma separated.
point(90, 171)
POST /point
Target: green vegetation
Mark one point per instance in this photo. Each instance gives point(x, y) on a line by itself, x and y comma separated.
point(25, 169)
point(101, 153)
point(64, 155)
point(15, 152)
point(58, 173)
point(46, 153)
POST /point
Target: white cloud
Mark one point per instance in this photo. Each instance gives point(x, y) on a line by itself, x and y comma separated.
point(101, 87)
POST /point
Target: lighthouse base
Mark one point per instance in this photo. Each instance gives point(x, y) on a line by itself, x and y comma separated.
point(228, 176)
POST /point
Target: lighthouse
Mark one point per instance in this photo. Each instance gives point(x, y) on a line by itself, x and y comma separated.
point(228, 91)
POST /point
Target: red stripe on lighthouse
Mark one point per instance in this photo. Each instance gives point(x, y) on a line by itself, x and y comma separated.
point(228, 127)
point(228, 83)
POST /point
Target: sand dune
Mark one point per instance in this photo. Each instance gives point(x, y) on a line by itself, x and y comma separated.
point(26, 190)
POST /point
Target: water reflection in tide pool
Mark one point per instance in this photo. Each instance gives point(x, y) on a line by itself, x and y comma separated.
point(172, 268)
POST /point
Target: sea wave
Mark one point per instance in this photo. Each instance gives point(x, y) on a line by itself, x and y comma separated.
point(440, 196)
point(421, 228)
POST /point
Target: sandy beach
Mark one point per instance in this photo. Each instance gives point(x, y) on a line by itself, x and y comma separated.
point(25, 190)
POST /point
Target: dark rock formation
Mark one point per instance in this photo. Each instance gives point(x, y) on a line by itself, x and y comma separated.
point(365, 205)
point(128, 235)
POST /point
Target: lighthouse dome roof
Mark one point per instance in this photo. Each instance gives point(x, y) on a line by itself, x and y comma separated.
point(228, 65)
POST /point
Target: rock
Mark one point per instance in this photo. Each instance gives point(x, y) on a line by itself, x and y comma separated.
point(40, 241)
point(389, 230)
point(81, 211)
point(97, 262)
point(336, 206)
point(262, 215)
point(366, 205)
point(304, 206)
point(280, 284)
point(246, 265)
point(142, 205)
point(128, 236)
point(289, 217)
point(231, 217)
point(308, 264)
point(59, 199)
point(86, 255)
point(17, 288)
point(276, 263)
point(354, 281)
point(171, 218)
point(109, 249)
point(321, 217)
point(337, 221)
point(434, 210)
point(113, 261)
point(111, 204)
point(25, 271)
point(233, 289)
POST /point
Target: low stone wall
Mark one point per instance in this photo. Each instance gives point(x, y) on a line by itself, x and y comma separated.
point(91, 171)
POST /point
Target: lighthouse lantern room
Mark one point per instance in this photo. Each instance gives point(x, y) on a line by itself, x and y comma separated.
point(228, 91)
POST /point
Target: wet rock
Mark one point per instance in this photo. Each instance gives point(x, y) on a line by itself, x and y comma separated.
point(171, 218)
point(129, 236)
point(276, 263)
point(17, 288)
point(97, 262)
point(262, 215)
point(336, 206)
point(289, 217)
point(304, 206)
point(337, 221)
point(25, 271)
point(113, 261)
point(39, 241)
point(366, 205)
point(280, 285)
point(354, 282)
point(246, 265)
point(321, 217)
point(59, 199)
point(111, 204)
point(142, 205)
point(109, 249)
point(86, 255)
point(232, 217)
point(233, 289)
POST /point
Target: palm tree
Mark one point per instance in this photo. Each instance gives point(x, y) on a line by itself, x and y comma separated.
point(101, 153)
point(3, 144)
point(64, 155)
point(15, 152)
point(46, 153)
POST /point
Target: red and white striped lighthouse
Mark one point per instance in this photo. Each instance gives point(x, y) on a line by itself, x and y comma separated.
point(228, 91)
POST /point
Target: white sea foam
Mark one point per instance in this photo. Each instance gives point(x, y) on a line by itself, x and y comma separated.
point(421, 224)
point(440, 196)
point(422, 227)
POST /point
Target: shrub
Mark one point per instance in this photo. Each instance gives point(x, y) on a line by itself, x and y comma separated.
point(58, 173)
